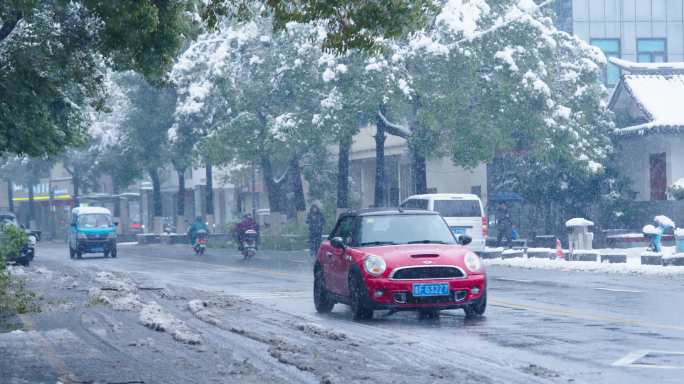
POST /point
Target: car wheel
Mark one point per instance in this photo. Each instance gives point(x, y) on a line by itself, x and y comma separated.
point(477, 308)
point(113, 252)
point(322, 301)
point(24, 263)
point(71, 253)
point(79, 255)
point(358, 299)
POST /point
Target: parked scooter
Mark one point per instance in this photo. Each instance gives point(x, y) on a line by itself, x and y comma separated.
point(249, 243)
point(200, 242)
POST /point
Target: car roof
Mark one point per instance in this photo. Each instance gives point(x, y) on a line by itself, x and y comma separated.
point(91, 210)
point(446, 196)
point(388, 212)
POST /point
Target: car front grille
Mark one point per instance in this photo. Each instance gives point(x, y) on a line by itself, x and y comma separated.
point(96, 237)
point(453, 297)
point(427, 272)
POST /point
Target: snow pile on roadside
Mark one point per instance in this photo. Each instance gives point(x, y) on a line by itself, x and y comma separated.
point(122, 295)
point(108, 281)
point(200, 309)
point(153, 316)
point(679, 232)
point(16, 271)
point(587, 266)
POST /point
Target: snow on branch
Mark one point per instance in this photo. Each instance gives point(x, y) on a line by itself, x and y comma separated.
point(504, 22)
point(394, 129)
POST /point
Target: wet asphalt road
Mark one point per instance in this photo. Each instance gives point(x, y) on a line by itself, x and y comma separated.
point(564, 327)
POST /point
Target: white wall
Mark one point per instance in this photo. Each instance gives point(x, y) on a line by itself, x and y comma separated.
point(633, 160)
point(445, 177)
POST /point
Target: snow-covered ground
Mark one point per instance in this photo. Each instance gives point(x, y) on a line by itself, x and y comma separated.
point(632, 266)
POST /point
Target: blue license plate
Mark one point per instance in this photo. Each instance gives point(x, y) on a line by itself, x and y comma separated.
point(458, 230)
point(423, 290)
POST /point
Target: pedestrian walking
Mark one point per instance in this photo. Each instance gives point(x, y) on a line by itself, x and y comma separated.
point(504, 225)
point(316, 221)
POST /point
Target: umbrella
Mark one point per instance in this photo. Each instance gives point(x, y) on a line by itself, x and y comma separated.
point(506, 197)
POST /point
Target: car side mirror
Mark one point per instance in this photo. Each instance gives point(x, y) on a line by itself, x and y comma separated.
point(464, 239)
point(116, 223)
point(337, 242)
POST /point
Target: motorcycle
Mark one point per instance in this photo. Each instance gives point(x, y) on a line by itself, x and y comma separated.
point(200, 242)
point(249, 244)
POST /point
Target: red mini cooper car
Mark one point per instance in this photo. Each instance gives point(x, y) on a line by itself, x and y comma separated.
point(396, 260)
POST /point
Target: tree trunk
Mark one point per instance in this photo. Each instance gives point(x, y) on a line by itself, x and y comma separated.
point(273, 188)
point(76, 183)
point(117, 204)
point(31, 215)
point(10, 196)
point(156, 193)
point(418, 172)
point(180, 201)
point(418, 161)
point(343, 172)
point(210, 190)
point(297, 185)
point(380, 181)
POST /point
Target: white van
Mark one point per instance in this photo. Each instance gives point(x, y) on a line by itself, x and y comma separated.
point(462, 212)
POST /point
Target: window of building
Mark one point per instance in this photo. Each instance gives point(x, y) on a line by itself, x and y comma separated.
point(610, 48)
point(651, 50)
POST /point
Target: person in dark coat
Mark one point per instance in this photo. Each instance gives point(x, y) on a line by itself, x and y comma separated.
point(504, 225)
point(316, 221)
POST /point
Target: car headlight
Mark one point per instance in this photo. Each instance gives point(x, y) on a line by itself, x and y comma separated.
point(32, 241)
point(82, 236)
point(472, 262)
point(374, 265)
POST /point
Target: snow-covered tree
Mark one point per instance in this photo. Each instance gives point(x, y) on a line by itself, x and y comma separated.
point(491, 77)
point(254, 93)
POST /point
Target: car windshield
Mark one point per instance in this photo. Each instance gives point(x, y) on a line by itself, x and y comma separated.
point(458, 208)
point(95, 220)
point(404, 229)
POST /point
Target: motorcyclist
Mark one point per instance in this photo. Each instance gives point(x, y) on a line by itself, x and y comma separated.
point(246, 223)
point(199, 224)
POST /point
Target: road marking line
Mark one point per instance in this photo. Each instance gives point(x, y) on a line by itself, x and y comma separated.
point(630, 360)
point(583, 315)
point(513, 280)
point(618, 290)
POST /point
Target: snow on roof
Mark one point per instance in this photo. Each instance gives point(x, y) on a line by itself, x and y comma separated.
point(633, 67)
point(578, 222)
point(91, 210)
point(656, 89)
point(441, 196)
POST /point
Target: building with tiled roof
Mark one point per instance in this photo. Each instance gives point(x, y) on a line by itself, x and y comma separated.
point(648, 103)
